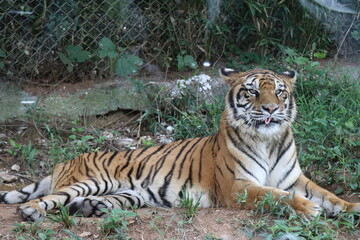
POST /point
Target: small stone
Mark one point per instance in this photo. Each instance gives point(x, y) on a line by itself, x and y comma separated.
point(170, 130)
point(15, 167)
point(125, 141)
point(7, 178)
point(85, 234)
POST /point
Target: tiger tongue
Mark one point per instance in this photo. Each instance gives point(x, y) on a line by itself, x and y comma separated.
point(268, 120)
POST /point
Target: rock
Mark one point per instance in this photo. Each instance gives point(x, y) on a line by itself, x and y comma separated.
point(15, 167)
point(125, 141)
point(85, 234)
point(170, 130)
point(8, 178)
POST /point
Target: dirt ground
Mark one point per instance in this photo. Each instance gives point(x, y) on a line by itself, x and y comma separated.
point(151, 224)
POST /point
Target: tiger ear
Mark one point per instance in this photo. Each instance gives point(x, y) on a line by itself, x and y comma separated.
point(290, 76)
point(231, 76)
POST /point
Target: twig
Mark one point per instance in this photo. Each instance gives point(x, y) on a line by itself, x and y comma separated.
point(343, 40)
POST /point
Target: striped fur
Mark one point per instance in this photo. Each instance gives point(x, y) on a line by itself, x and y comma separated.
point(254, 152)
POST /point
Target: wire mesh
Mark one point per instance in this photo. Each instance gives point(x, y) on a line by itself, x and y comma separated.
point(35, 33)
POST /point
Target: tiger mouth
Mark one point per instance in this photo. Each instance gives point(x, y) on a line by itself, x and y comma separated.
point(267, 122)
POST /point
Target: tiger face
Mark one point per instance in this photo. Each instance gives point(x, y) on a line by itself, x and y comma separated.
point(260, 101)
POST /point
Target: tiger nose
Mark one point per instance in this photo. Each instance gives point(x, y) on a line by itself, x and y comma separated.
point(270, 108)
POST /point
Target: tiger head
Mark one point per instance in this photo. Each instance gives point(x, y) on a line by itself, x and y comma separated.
point(260, 101)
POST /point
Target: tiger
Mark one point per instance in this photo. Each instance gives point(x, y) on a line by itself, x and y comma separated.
point(253, 154)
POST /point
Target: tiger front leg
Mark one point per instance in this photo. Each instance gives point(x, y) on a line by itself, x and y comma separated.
point(255, 193)
point(35, 210)
point(332, 204)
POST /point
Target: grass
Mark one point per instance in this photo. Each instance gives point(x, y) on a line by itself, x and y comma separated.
point(114, 226)
point(63, 217)
point(274, 220)
point(190, 205)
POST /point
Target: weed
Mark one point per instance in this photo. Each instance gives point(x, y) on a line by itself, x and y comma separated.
point(27, 152)
point(33, 231)
point(19, 227)
point(72, 234)
point(63, 217)
point(189, 204)
point(158, 221)
point(115, 224)
point(279, 221)
point(241, 197)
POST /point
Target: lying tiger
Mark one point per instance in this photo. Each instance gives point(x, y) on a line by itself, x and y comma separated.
point(254, 153)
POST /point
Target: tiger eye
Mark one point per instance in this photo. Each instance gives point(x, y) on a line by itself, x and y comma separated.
point(278, 92)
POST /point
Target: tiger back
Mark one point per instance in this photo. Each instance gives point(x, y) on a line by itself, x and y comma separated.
point(253, 153)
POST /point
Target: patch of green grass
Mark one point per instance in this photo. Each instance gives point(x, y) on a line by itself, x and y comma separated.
point(189, 204)
point(33, 231)
point(274, 220)
point(26, 152)
point(327, 127)
point(63, 217)
point(114, 226)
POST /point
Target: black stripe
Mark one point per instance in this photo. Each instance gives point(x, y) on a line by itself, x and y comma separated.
point(106, 170)
point(244, 168)
point(152, 196)
point(68, 197)
point(96, 184)
point(246, 152)
point(76, 190)
point(219, 169)
point(143, 162)
point(145, 183)
point(228, 168)
point(281, 154)
point(306, 189)
point(287, 173)
point(195, 145)
point(130, 179)
point(111, 158)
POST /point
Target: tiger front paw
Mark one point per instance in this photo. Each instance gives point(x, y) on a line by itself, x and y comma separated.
point(30, 212)
point(306, 208)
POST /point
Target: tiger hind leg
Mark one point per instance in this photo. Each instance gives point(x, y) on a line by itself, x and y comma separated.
point(32, 191)
point(92, 206)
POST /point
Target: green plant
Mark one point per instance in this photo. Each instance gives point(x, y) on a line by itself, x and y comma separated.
point(184, 61)
point(71, 234)
point(63, 217)
point(33, 231)
point(189, 204)
point(115, 224)
point(125, 64)
point(73, 54)
point(147, 142)
point(156, 223)
point(27, 152)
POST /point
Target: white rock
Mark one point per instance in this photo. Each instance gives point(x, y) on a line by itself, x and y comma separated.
point(170, 130)
point(15, 167)
point(7, 178)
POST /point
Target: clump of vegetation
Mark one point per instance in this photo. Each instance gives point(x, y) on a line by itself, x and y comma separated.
point(114, 226)
point(63, 217)
point(189, 204)
point(273, 219)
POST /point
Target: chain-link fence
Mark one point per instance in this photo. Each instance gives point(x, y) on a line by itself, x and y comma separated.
point(49, 41)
